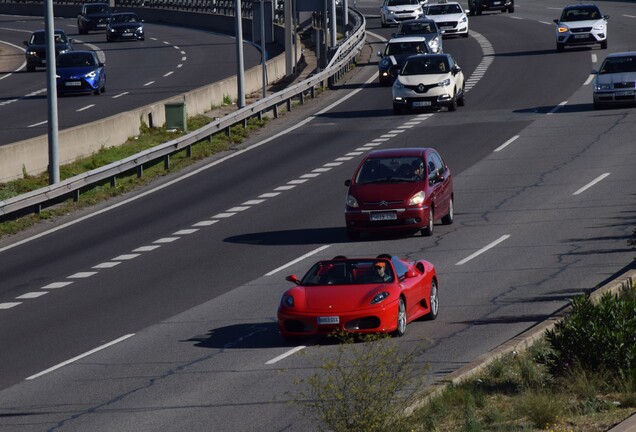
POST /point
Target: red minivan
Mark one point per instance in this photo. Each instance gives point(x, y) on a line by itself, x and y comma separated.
point(405, 189)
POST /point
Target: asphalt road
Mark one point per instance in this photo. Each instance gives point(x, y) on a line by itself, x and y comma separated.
point(179, 283)
point(170, 61)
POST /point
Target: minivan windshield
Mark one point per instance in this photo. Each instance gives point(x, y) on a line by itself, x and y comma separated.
point(391, 169)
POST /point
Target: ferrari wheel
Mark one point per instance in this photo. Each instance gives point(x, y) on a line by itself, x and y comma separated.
point(433, 301)
point(401, 319)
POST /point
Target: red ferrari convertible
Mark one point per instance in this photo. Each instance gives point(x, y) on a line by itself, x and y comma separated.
point(361, 295)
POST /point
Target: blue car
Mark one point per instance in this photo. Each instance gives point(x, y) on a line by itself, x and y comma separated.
point(125, 26)
point(80, 72)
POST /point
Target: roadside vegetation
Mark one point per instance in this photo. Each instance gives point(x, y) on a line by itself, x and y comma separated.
point(147, 138)
point(580, 377)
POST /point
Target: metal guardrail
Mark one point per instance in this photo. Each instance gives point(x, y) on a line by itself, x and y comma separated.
point(342, 60)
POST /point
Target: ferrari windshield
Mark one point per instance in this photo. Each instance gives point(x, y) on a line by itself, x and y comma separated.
point(349, 272)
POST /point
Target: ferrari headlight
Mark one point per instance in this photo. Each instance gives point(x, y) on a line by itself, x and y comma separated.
point(287, 301)
point(562, 29)
point(352, 201)
point(444, 83)
point(417, 199)
point(380, 297)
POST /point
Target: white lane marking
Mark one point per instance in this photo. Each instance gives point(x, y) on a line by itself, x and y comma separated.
point(237, 209)
point(120, 95)
point(166, 240)
point(396, 131)
point(344, 158)
point(253, 202)
point(484, 249)
point(205, 223)
point(108, 264)
point(355, 153)
point(594, 58)
point(284, 188)
point(81, 275)
point(177, 47)
point(589, 79)
point(321, 170)
point(126, 257)
point(9, 305)
point(31, 295)
point(85, 108)
point(38, 124)
point(223, 215)
point(629, 16)
point(297, 181)
point(287, 354)
point(556, 108)
point(147, 248)
point(546, 22)
point(332, 164)
point(590, 184)
point(167, 43)
point(300, 258)
point(185, 231)
point(504, 145)
point(167, 74)
point(149, 83)
point(310, 175)
point(56, 285)
point(81, 356)
point(269, 195)
point(516, 17)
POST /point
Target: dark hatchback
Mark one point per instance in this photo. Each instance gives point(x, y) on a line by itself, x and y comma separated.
point(93, 16)
point(35, 52)
point(405, 189)
point(125, 26)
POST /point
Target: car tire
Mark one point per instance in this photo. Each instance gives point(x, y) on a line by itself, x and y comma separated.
point(433, 302)
point(465, 34)
point(560, 47)
point(400, 330)
point(511, 9)
point(453, 104)
point(461, 101)
point(427, 231)
point(98, 91)
point(382, 22)
point(604, 44)
point(449, 218)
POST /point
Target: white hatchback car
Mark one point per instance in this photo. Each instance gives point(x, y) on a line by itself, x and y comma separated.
point(449, 16)
point(615, 81)
point(428, 81)
point(581, 24)
point(393, 12)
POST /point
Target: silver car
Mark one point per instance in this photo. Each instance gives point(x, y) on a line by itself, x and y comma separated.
point(423, 27)
point(581, 24)
point(392, 12)
point(428, 81)
point(615, 81)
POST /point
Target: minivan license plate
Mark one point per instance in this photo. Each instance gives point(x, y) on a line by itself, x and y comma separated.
point(383, 216)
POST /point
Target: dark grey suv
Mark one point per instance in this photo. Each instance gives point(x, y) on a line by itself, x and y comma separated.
point(477, 6)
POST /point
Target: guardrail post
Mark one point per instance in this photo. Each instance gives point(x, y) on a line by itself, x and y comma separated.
point(113, 181)
point(166, 162)
point(313, 92)
point(189, 148)
point(302, 98)
point(140, 171)
point(76, 194)
point(275, 111)
point(289, 105)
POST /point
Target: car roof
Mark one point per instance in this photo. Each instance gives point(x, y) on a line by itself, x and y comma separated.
point(408, 39)
point(418, 20)
point(622, 54)
point(398, 152)
point(124, 13)
point(54, 31)
point(97, 3)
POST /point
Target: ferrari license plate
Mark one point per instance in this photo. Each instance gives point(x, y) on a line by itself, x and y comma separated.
point(72, 83)
point(421, 103)
point(328, 320)
point(383, 216)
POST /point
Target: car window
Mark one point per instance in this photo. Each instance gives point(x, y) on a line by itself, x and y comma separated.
point(618, 65)
point(424, 66)
point(348, 272)
point(444, 9)
point(75, 60)
point(401, 2)
point(397, 48)
point(385, 170)
point(439, 164)
point(416, 28)
point(580, 14)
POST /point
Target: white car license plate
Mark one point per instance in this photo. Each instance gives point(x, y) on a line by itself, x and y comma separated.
point(383, 216)
point(446, 28)
point(125, 34)
point(328, 320)
point(625, 93)
point(580, 36)
point(72, 83)
point(421, 103)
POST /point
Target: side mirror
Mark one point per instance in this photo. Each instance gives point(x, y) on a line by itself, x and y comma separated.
point(594, 72)
point(25, 43)
point(605, 17)
point(379, 53)
point(410, 274)
point(293, 278)
point(100, 64)
point(347, 182)
point(556, 21)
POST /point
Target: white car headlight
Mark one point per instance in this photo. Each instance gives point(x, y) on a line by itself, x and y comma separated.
point(417, 199)
point(464, 19)
point(444, 83)
point(600, 26)
point(398, 85)
point(352, 201)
